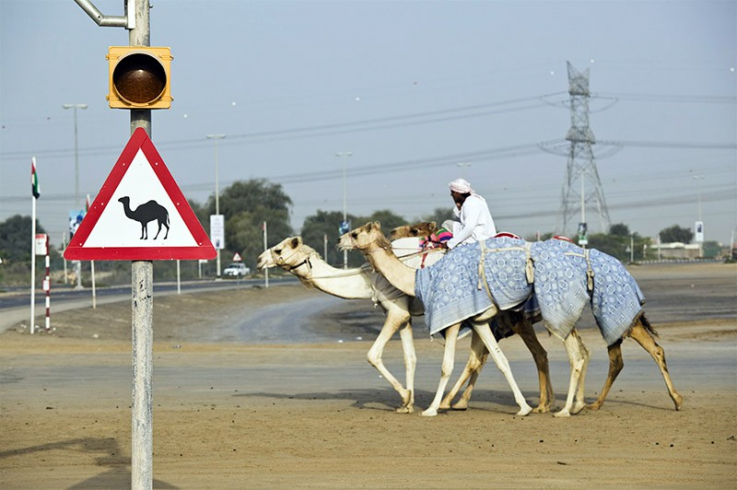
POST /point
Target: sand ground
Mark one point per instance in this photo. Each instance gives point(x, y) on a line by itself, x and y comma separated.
point(229, 414)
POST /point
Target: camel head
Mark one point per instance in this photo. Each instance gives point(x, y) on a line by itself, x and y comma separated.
point(125, 200)
point(288, 254)
point(417, 230)
point(364, 237)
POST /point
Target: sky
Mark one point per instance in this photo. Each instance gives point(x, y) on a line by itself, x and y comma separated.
point(412, 94)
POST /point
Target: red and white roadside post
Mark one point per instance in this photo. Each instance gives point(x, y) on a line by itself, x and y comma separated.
point(41, 247)
point(47, 285)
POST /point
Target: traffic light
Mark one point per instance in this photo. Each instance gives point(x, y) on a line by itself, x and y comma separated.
point(139, 77)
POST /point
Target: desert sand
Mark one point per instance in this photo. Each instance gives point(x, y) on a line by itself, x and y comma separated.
point(231, 413)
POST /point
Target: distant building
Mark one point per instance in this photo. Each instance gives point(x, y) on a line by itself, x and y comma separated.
point(689, 251)
point(677, 250)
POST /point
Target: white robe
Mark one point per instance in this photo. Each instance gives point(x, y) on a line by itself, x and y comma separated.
point(475, 222)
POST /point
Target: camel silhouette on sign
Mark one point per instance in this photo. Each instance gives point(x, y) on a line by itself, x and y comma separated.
point(146, 213)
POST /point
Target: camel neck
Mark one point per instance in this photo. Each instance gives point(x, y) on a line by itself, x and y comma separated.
point(342, 283)
point(389, 265)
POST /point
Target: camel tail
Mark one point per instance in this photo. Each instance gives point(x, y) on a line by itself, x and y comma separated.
point(646, 324)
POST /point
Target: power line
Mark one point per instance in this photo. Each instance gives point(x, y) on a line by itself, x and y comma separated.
point(389, 122)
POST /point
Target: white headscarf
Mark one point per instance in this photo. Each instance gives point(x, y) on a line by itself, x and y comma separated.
point(461, 186)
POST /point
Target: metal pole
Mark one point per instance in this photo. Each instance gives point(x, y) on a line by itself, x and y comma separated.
point(76, 150)
point(78, 264)
point(94, 289)
point(33, 260)
point(217, 137)
point(142, 288)
point(64, 247)
point(341, 154)
point(266, 247)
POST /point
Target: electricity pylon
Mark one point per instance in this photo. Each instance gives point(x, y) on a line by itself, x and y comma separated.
point(582, 186)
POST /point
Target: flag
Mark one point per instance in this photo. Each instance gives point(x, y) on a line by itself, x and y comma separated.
point(34, 179)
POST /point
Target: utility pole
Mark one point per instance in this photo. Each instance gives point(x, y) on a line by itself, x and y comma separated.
point(215, 138)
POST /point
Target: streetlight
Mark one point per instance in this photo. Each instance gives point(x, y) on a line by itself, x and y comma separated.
point(77, 203)
point(341, 154)
point(217, 137)
point(76, 151)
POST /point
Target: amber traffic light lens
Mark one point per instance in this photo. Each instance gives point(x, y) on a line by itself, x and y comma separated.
point(139, 78)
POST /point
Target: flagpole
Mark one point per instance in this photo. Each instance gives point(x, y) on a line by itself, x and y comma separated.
point(33, 244)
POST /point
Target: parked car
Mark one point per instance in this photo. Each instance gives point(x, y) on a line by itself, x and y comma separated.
point(236, 269)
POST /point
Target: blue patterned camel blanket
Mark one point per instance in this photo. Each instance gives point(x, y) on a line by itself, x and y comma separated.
point(452, 290)
point(563, 272)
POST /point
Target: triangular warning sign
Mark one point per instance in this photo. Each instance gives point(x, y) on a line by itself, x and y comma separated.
point(140, 213)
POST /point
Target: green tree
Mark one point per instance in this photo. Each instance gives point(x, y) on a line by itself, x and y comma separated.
point(246, 205)
point(386, 218)
point(325, 224)
point(676, 234)
point(321, 229)
point(201, 212)
point(15, 239)
point(623, 247)
point(543, 236)
point(15, 251)
point(439, 215)
point(619, 229)
point(613, 245)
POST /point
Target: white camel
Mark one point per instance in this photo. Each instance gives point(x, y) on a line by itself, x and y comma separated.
point(304, 262)
point(376, 248)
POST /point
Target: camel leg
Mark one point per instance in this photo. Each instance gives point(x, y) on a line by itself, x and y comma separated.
point(410, 364)
point(526, 331)
point(640, 333)
point(462, 403)
point(578, 356)
point(158, 232)
point(392, 323)
point(476, 359)
point(615, 366)
point(483, 330)
point(451, 336)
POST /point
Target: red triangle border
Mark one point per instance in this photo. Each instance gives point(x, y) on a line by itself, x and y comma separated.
point(140, 141)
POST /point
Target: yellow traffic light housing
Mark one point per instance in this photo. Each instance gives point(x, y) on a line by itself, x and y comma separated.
point(139, 77)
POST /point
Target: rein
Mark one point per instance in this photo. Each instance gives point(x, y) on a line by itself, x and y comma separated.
point(309, 276)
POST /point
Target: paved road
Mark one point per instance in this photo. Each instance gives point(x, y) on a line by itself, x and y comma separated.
point(14, 305)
